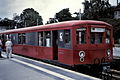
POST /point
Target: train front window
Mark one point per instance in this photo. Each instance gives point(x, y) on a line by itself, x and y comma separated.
point(96, 38)
point(81, 35)
point(96, 35)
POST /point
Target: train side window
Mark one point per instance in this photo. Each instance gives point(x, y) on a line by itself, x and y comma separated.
point(67, 38)
point(40, 37)
point(81, 35)
point(47, 38)
point(107, 36)
point(8, 36)
point(21, 38)
point(64, 38)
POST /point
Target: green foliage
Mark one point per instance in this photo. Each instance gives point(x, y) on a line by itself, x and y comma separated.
point(96, 9)
point(64, 15)
point(9, 24)
point(30, 17)
point(52, 20)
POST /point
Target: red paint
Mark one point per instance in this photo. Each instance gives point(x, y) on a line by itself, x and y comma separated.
point(34, 51)
point(66, 56)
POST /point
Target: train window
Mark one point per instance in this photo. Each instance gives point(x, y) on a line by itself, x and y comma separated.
point(31, 38)
point(96, 38)
point(3, 37)
point(107, 36)
point(8, 36)
point(13, 38)
point(47, 38)
point(40, 37)
point(21, 38)
point(67, 38)
point(81, 35)
point(64, 38)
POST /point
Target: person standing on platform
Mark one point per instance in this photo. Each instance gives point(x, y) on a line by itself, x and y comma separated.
point(8, 46)
point(1, 49)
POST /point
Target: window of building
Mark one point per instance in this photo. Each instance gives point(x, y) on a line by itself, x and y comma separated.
point(81, 35)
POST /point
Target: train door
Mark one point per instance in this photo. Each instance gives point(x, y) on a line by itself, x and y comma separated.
point(55, 44)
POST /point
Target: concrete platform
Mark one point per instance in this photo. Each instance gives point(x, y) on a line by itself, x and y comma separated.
point(21, 68)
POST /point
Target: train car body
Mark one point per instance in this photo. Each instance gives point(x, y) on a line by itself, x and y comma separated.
point(71, 42)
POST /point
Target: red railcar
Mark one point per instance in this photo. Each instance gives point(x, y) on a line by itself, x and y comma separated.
point(71, 42)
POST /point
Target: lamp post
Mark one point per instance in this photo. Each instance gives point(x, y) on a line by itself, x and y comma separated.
point(80, 14)
point(37, 21)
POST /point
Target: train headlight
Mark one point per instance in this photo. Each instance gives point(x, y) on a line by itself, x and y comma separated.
point(82, 54)
point(108, 52)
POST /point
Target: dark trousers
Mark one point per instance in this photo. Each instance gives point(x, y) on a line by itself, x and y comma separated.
point(0, 54)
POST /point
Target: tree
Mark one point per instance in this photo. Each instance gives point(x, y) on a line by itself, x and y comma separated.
point(64, 15)
point(30, 17)
point(96, 9)
point(8, 23)
point(52, 20)
point(16, 18)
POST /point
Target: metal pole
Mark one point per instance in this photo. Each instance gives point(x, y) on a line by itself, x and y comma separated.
point(80, 14)
point(25, 24)
point(117, 2)
point(54, 18)
point(37, 21)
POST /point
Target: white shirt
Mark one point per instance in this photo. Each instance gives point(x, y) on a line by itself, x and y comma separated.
point(0, 43)
point(8, 44)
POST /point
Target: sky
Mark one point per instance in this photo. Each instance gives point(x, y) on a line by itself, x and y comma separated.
point(46, 8)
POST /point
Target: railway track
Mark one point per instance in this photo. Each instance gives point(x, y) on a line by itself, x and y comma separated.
point(115, 74)
point(111, 75)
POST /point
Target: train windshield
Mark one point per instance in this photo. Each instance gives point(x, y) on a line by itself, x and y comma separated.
point(97, 35)
point(96, 38)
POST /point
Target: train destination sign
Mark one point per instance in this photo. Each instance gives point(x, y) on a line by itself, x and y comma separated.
point(97, 29)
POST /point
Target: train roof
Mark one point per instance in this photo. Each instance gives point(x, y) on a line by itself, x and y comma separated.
point(55, 26)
